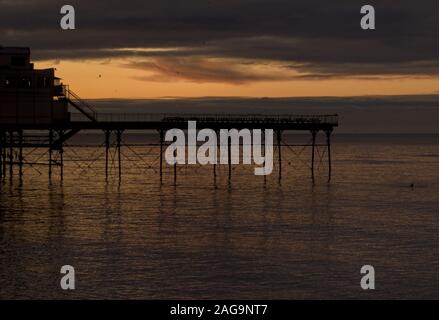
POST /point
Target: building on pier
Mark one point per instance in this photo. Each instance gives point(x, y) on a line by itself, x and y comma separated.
point(29, 95)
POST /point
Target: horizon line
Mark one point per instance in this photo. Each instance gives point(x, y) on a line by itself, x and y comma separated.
point(268, 98)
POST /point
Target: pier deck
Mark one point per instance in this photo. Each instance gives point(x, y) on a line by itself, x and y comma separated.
point(14, 137)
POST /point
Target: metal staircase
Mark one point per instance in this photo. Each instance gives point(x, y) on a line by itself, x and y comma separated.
point(87, 110)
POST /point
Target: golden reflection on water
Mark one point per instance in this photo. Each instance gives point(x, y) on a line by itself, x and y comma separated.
point(246, 239)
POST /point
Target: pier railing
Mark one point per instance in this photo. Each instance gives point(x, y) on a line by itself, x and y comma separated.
point(81, 105)
point(213, 118)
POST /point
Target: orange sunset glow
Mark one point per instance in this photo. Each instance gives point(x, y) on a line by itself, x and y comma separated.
point(96, 79)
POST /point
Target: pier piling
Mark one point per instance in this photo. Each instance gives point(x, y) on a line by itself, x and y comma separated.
point(20, 154)
point(216, 155)
point(16, 137)
point(11, 154)
point(107, 150)
point(175, 168)
point(279, 150)
point(50, 152)
point(161, 154)
point(314, 134)
point(119, 159)
point(328, 143)
point(229, 145)
point(3, 155)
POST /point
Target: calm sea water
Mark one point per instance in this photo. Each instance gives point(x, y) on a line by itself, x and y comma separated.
point(247, 239)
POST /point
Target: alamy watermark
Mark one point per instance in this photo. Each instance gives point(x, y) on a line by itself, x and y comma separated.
point(68, 19)
point(68, 280)
point(368, 279)
point(221, 147)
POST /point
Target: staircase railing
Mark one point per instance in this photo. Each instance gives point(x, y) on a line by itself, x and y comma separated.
point(82, 106)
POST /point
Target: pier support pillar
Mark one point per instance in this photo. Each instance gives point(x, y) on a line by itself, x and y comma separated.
point(61, 155)
point(61, 159)
point(107, 150)
point(50, 152)
point(11, 153)
point(229, 146)
point(279, 150)
point(216, 154)
point(119, 159)
point(3, 155)
point(263, 154)
point(20, 155)
point(314, 134)
point(328, 143)
point(161, 154)
point(175, 168)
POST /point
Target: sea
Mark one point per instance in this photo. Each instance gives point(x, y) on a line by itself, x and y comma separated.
point(200, 236)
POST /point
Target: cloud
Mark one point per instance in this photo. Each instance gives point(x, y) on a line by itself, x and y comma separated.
point(205, 70)
point(316, 38)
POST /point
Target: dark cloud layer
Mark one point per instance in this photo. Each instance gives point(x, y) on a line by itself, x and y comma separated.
point(202, 70)
point(319, 38)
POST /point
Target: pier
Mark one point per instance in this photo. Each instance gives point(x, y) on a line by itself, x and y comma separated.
point(14, 138)
point(38, 111)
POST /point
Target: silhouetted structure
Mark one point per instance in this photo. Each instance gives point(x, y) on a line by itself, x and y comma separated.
point(35, 100)
point(28, 95)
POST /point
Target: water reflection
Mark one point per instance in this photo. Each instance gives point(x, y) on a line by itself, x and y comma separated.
point(211, 238)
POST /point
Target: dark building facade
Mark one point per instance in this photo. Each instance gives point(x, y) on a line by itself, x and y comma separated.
point(28, 95)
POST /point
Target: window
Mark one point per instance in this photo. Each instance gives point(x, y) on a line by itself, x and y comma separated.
point(10, 82)
point(25, 83)
point(43, 82)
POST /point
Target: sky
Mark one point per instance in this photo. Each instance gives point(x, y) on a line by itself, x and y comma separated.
point(231, 48)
